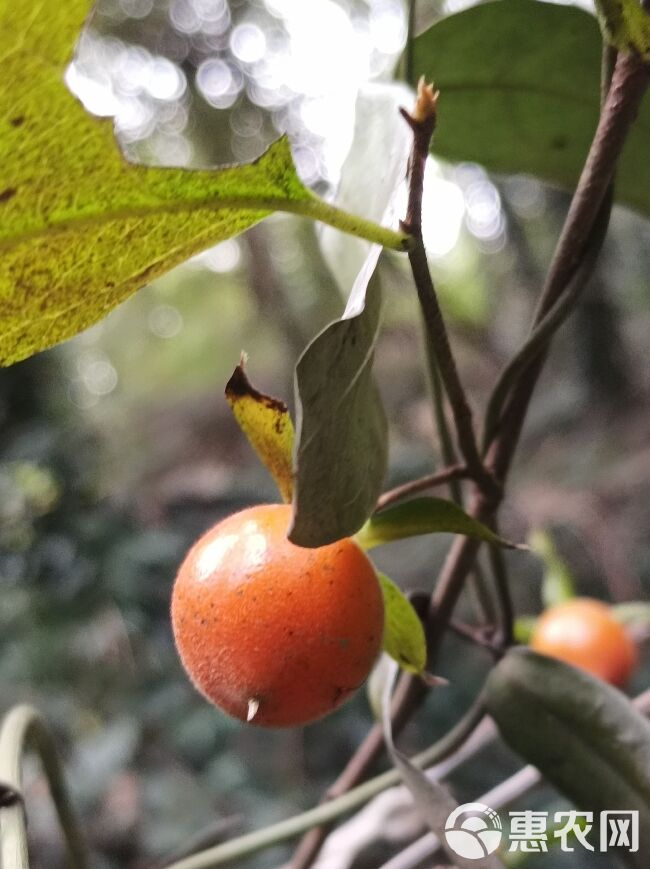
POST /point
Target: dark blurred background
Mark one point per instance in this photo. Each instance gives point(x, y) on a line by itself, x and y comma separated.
point(118, 449)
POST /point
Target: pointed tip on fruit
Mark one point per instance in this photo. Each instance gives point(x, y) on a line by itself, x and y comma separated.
point(253, 707)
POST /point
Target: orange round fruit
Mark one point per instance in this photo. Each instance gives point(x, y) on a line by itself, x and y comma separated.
point(270, 632)
point(583, 632)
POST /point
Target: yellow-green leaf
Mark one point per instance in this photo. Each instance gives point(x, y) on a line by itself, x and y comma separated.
point(424, 516)
point(80, 228)
point(557, 583)
point(266, 423)
point(625, 25)
point(403, 632)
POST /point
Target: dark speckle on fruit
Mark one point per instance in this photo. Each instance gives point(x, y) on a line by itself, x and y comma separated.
point(309, 620)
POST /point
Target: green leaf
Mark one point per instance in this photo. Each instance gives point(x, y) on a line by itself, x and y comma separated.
point(403, 632)
point(625, 25)
point(424, 516)
point(557, 583)
point(519, 84)
point(340, 460)
point(266, 423)
point(432, 799)
point(583, 735)
point(522, 629)
point(80, 229)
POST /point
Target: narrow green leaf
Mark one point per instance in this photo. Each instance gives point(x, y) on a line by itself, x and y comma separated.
point(432, 799)
point(403, 632)
point(557, 583)
point(625, 25)
point(424, 516)
point(583, 735)
point(340, 459)
point(266, 423)
point(520, 83)
point(80, 229)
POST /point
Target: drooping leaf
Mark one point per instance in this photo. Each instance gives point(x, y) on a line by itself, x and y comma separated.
point(625, 25)
point(383, 669)
point(371, 174)
point(266, 423)
point(403, 632)
point(519, 83)
point(585, 737)
point(557, 583)
point(424, 516)
point(80, 229)
point(341, 454)
point(432, 799)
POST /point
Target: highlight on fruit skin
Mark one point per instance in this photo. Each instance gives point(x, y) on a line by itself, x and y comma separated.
point(272, 633)
point(583, 632)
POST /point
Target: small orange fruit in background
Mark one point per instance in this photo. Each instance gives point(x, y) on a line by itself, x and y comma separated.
point(583, 632)
point(268, 631)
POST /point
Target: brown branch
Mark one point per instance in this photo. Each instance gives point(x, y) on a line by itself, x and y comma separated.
point(502, 586)
point(545, 326)
point(629, 83)
point(422, 123)
point(447, 448)
point(438, 478)
point(478, 636)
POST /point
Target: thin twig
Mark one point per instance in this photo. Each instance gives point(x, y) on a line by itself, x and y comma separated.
point(422, 122)
point(543, 332)
point(447, 450)
point(478, 636)
point(502, 586)
point(443, 751)
point(506, 792)
point(478, 586)
point(351, 838)
point(616, 120)
point(578, 236)
point(410, 42)
point(498, 797)
point(544, 328)
point(430, 481)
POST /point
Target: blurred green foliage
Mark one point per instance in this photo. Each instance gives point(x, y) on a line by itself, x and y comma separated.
point(118, 450)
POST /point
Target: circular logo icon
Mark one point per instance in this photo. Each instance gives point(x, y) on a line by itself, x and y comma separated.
point(473, 830)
